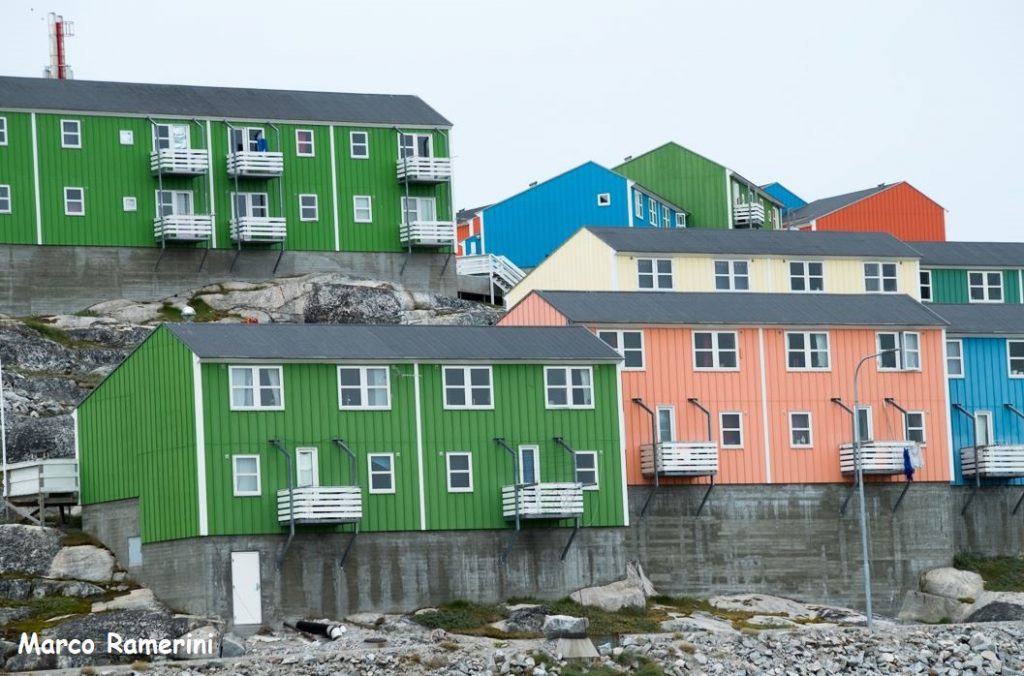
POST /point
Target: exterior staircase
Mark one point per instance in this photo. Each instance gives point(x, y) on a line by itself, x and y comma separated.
point(504, 274)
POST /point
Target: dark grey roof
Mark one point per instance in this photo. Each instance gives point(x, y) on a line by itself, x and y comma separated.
point(971, 254)
point(347, 342)
point(983, 318)
point(464, 215)
point(753, 242)
point(740, 309)
point(219, 102)
point(827, 205)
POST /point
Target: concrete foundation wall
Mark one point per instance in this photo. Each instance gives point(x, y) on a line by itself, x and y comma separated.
point(62, 279)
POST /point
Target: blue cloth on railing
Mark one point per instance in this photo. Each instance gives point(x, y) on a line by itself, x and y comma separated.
point(908, 464)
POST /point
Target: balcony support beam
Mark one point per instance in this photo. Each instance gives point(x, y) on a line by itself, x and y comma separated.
point(977, 475)
point(654, 448)
point(500, 441)
point(572, 536)
point(276, 443)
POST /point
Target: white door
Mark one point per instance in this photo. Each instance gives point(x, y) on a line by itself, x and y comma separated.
point(245, 588)
point(529, 465)
point(982, 428)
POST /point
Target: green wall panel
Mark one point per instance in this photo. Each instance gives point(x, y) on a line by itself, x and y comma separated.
point(685, 178)
point(19, 226)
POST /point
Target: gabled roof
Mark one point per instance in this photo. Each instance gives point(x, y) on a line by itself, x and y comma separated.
point(464, 215)
point(790, 200)
point(753, 242)
point(826, 205)
point(740, 309)
point(401, 343)
point(983, 318)
point(971, 254)
point(28, 93)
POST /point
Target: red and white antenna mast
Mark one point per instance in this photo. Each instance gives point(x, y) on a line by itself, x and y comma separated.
point(59, 29)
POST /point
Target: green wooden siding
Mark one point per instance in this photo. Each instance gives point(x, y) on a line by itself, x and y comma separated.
point(685, 178)
point(137, 439)
point(19, 226)
point(950, 285)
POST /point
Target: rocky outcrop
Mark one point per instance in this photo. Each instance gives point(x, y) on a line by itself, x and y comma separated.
point(631, 592)
point(962, 585)
point(27, 550)
point(952, 595)
point(565, 626)
point(84, 562)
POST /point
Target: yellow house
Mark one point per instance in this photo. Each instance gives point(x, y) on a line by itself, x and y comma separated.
point(758, 261)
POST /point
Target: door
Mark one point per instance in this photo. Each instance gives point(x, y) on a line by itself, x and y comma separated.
point(529, 465)
point(174, 202)
point(246, 604)
point(172, 136)
point(419, 210)
point(416, 145)
point(864, 428)
point(982, 428)
point(306, 473)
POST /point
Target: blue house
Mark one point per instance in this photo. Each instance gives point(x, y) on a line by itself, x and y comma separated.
point(528, 226)
point(790, 200)
point(985, 366)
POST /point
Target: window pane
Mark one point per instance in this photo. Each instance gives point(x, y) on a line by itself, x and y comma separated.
point(459, 479)
point(727, 359)
point(556, 377)
point(632, 339)
point(644, 266)
point(480, 377)
point(381, 482)
point(454, 377)
point(664, 266)
point(271, 377)
point(455, 397)
point(270, 397)
point(727, 341)
point(458, 462)
point(481, 396)
point(246, 484)
point(349, 377)
point(609, 337)
point(557, 396)
point(581, 377)
point(380, 463)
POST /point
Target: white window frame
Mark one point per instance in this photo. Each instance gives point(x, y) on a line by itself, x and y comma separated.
point(989, 427)
point(247, 196)
point(174, 194)
point(809, 428)
point(467, 388)
point(722, 429)
point(235, 474)
point(671, 411)
point(596, 485)
point(652, 211)
point(604, 199)
point(5, 196)
point(448, 471)
point(405, 203)
point(805, 276)
point(680, 219)
point(352, 145)
point(926, 283)
point(657, 276)
point(569, 387)
point(415, 145)
point(534, 450)
point(314, 466)
point(315, 208)
point(731, 275)
point(364, 389)
point(256, 387)
point(881, 277)
point(170, 136)
point(68, 201)
point(299, 143)
point(808, 351)
point(1010, 359)
point(638, 204)
point(716, 350)
point(620, 346)
point(900, 340)
point(371, 472)
point(249, 140)
point(959, 359)
point(869, 417)
point(77, 134)
point(666, 217)
point(3, 130)
point(356, 208)
point(985, 286)
point(923, 427)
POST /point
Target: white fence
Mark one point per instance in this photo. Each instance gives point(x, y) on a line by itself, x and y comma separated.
point(543, 501)
point(185, 162)
point(255, 164)
point(680, 458)
point(428, 233)
point(321, 504)
point(748, 214)
point(877, 457)
point(258, 229)
point(183, 228)
point(993, 461)
point(506, 274)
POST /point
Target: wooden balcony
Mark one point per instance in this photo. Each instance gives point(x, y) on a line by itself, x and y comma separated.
point(258, 230)
point(680, 458)
point(183, 228)
point(176, 162)
point(877, 457)
point(999, 461)
point(424, 169)
point(748, 215)
point(42, 477)
point(543, 501)
point(320, 504)
point(252, 164)
point(427, 233)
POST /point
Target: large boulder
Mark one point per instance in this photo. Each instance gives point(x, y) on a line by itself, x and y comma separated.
point(201, 643)
point(82, 562)
point(526, 618)
point(133, 600)
point(232, 646)
point(953, 583)
point(27, 550)
point(632, 592)
point(929, 608)
point(565, 626)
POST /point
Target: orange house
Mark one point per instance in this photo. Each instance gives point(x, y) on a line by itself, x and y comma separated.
point(468, 231)
point(758, 388)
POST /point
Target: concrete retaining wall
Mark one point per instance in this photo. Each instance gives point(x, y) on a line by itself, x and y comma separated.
point(63, 279)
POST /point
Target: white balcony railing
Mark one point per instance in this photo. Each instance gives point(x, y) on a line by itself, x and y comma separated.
point(997, 461)
point(424, 169)
point(320, 504)
point(252, 164)
point(680, 458)
point(748, 215)
point(183, 228)
point(186, 162)
point(877, 457)
point(427, 233)
point(266, 230)
point(506, 273)
point(543, 501)
point(34, 477)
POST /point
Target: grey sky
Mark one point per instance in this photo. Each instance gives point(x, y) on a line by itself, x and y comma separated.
point(822, 96)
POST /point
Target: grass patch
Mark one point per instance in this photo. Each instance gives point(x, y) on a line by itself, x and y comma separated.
point(605, 623)
point(459, 616)
point(579, 669)
point(43, 609)
point(1001, 573)
point(47, 330)
point(204, 313)
point(169, 313)
point(75, 538)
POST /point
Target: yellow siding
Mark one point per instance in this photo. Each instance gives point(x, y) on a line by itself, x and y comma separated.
point(582, 263)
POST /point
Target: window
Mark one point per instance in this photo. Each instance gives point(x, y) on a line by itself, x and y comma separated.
point(307, 473)
point(985, 287)
point(359, 145)
point(173, 203)
point(246, 139)
point(304, 143)
point(362, 208)
point(171, 137)
point(638, 204)
point(529, 465)
point(955, 358)
point(982, 428)
point(880, 278)
point(905, 354)
point(249, 205)
point(569, 387)
point(586, 469)
point(5, 199)
point(467, 387)
point(865, 430)
point(74, 201)
point(256, 388)
point(666, 217)
point(652, 209)
point(1015, 355)
point(807, 351)
point(732, 276)
point(364, 387)
point(246, 474)
point(715, 350)
point(308, 209)
point(666, 423)
point(654, 273)
point(70, 134)
point(800, 429)
point(126, 137)
point(415, 145)
point(382, 472)
point(914, 422)
point(418, 210)
point(926, 286)
point(3, 131)
point(680, 220)
point(630, 344)
point(731, 427)
point(604, 199)
point(129, 203)
point(460, 472)
point(806, 276)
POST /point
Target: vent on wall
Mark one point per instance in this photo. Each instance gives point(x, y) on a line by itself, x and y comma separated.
point(604, 199)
